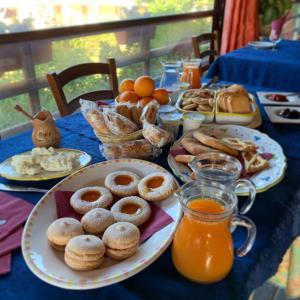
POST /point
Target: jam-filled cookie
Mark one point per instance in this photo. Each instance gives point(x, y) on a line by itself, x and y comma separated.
point(89, 198)
point(131, 209)
point(122, 183)
point(156, 186)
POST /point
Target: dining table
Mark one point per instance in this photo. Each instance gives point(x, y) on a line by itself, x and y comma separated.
point(276, 213)
point(277, 68)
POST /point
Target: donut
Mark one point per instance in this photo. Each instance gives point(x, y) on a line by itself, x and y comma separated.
point(61, 231)
point(88, 198)
point(97, 220)
point(157, 186)
point(84, 252)
point(131, 209)
point(122, 183)
point(121, 240)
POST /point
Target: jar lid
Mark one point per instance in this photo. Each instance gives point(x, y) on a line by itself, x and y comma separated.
point(166, 109)
point(171, 117)
point(193, 116)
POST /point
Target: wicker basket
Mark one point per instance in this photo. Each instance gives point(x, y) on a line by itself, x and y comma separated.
point(119, 139)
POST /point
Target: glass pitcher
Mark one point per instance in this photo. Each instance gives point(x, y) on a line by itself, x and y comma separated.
point(202, 248)
point(217, 167)
point(191, 73)
point(170, 78)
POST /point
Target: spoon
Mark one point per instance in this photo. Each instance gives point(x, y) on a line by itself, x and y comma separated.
point(25, 113)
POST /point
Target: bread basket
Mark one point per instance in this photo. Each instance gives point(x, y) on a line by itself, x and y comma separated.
point(119, 138)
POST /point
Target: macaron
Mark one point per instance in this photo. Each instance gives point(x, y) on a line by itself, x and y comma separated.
point(121, 240)
point(84, 252)
point(97, 220)
point(62, 230)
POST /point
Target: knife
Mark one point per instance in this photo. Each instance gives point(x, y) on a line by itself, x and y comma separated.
point(19, 188)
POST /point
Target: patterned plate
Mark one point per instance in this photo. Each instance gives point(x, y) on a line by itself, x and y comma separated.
point(8, 171)
point(262, 180)
point(49, 265)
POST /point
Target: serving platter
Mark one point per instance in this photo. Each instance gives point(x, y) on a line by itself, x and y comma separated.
point(293, 99)
point(48, 264)
point(263, 44)
point(8, 171)
point(272, 112)
point(263, 180)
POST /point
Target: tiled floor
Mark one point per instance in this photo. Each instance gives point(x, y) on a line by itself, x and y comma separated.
point(270, 292)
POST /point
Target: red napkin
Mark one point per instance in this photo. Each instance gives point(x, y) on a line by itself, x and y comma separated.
point(14, 211)
point(158, 220)
point(11, 242)
point(5, 264)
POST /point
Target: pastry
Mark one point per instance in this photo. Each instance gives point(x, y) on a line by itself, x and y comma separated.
point(97, 220)
point(156, 186)
point(156, 135)
point(96, 120)
point(118, 124)
point(135, 149)
point(182, 158)
point(61, 231)
point(238, 104)
point(214, 143)
point(136, 113)
point(150, 112)
point(121, 240)
point(122, 183)
point(193, 147)
point(88, 198)
point(123, 110)
point(131, 209)
point(190, 106)
point(237, 144)
point(254, 162)
point(84, 252)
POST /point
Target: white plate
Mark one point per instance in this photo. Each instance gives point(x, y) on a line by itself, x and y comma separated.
point(273, 116)
point(262, 180)
point(8, 171)
point(48, 264)
point(262, 44)
point(292, 100)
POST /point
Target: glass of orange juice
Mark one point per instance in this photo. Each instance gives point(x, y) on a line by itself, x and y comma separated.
point(202, 249)
point(191, 73)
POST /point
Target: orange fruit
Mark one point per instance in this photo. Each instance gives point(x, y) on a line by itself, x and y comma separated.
point(128, 96)
point(161, 95)
point(126, 85)
point(145, 100)
point(144, 86)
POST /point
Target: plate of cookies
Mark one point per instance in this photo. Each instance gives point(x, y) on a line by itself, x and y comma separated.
point(102, 225)
point(262, 158)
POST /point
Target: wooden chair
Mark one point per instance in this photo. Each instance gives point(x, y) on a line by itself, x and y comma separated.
point(208, 56)
point(58, 80)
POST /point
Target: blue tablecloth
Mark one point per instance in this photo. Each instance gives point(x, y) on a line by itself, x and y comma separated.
point(278, 69)
point(275, 212)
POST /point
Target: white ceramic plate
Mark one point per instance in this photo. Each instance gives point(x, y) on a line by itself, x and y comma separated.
point(292, 99)
point(262, 44)
point(262, 180)
point(272, 112)
point(48, 264)
point(8, 171)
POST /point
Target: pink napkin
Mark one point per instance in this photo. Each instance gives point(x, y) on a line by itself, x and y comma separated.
point(5, 262)
point(158, 220)
point(14, 211)
point(11, 242)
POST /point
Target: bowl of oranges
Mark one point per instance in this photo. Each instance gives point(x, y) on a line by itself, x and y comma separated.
point(141, 91)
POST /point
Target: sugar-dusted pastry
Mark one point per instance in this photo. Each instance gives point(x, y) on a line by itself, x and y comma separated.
point(156, 186)
point(136, 113)
point(214, 143)
point(96, 120)
point(193, 147)
point(118, 124)
point(183, 158)
point(97, 220)
point(131, 209)
point(84, 252)
point(121, 240)
point(61, 231)
point(88, 198)
point(155, 135)
point(150, 112)
point(254, 162)
point(124, 110)
point(238, 144)
point(122, 183)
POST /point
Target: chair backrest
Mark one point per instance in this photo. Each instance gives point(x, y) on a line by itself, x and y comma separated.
point(208, 55)
point(58, 80)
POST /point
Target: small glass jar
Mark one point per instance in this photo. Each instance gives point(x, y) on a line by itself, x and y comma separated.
point(192, 121)
point(171, 122)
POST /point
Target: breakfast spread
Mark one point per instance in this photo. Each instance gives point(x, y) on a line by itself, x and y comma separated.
point(289, 114)
point(118, 226)
point(44, 159)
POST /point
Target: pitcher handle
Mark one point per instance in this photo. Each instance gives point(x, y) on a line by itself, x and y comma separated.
point(251, 234)
point(252, 193)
